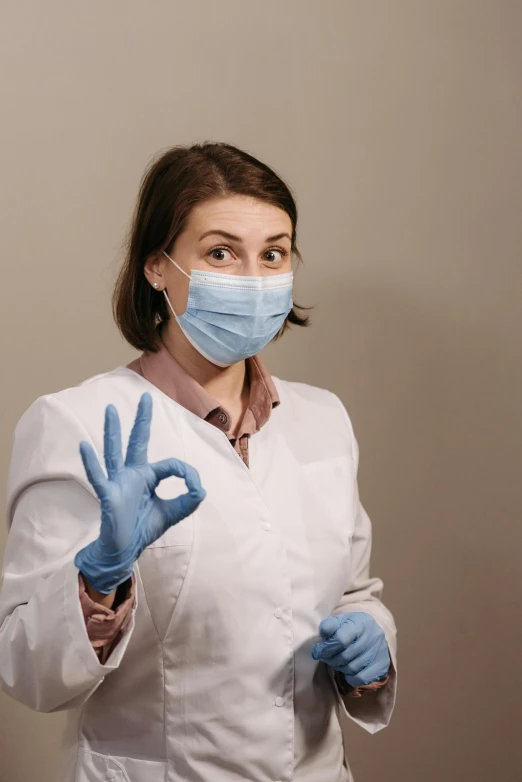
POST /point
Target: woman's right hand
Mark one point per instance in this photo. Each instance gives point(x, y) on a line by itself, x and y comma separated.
point(132, 515)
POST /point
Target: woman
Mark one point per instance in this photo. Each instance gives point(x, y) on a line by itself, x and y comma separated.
point(202, 607)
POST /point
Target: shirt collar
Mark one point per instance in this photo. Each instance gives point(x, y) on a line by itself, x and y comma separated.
point(166, 373)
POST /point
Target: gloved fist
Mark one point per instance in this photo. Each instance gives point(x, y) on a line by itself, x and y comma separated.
point(132, 515)
point(355, 645)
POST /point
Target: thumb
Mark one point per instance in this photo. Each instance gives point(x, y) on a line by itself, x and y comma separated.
point(329, 625)
point(177, 509)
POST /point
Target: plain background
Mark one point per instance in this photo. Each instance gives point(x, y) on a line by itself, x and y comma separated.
point(398, 126)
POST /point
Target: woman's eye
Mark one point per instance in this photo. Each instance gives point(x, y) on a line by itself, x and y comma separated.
point(276, 250)
point(218, 250)
point(272, 252)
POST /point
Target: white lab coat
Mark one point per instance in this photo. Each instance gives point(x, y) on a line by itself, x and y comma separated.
point(213, 680)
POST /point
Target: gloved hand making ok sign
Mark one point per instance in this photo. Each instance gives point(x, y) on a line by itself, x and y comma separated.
point(132, 515)
point(355, 645)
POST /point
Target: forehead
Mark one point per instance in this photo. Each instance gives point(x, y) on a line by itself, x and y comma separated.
point(239, 215)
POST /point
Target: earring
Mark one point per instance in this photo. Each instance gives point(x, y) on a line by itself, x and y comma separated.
point(155, 284)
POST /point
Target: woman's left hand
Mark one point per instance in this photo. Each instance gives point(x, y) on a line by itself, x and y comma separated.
point(354, 644)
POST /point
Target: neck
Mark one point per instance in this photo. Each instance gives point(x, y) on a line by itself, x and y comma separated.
point(226, 384)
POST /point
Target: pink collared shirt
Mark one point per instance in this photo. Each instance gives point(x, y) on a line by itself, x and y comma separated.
point(162, 370)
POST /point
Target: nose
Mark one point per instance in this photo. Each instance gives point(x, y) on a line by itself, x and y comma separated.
point(251, 267)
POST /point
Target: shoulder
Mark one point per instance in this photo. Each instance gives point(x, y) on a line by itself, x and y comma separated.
point(311, 396)
point(317, 406)
point(77, 405)
point(45, 444)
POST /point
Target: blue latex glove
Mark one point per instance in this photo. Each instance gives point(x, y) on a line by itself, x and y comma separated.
point(355, 645)
point(132, 515)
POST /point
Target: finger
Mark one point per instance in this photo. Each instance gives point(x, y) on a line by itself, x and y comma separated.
point(182, 506)
point(363, 669)
point(347, 655)
point(329, 625)
point(327, 629)
point(112, 441)
point(336, 642)
point(167, 467)
point(140, 434)
point(93, 468)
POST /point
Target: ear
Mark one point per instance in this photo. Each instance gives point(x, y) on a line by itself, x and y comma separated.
point(153, 270)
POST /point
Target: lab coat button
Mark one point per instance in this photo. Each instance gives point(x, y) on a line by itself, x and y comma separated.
point(278, 613)
point(279, 701)
point(111, 774)
point(266, 525)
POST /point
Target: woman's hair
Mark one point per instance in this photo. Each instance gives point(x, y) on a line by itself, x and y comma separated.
point(171, 187)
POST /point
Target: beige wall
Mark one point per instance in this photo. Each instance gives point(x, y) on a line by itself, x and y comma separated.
point(398, 124)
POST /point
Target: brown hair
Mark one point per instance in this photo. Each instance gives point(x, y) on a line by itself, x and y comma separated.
point(171, 187)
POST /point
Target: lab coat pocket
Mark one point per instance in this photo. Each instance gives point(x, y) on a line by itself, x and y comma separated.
point(162, 571)
point(94, 767)
point(182, 533)
point(164, 563)
point(162, 567)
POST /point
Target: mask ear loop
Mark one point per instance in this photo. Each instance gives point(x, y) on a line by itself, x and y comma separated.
point(175, 264)
point(170, 305)
point(164, 290)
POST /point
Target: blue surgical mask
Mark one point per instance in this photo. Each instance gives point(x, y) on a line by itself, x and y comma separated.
point(228, 317)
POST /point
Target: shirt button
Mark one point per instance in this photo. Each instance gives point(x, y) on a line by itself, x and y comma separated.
point(266, 525)
point(279, 701)
point(222, 418)
point(278, 613)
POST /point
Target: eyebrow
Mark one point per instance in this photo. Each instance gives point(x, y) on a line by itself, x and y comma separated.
point(234, 238)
